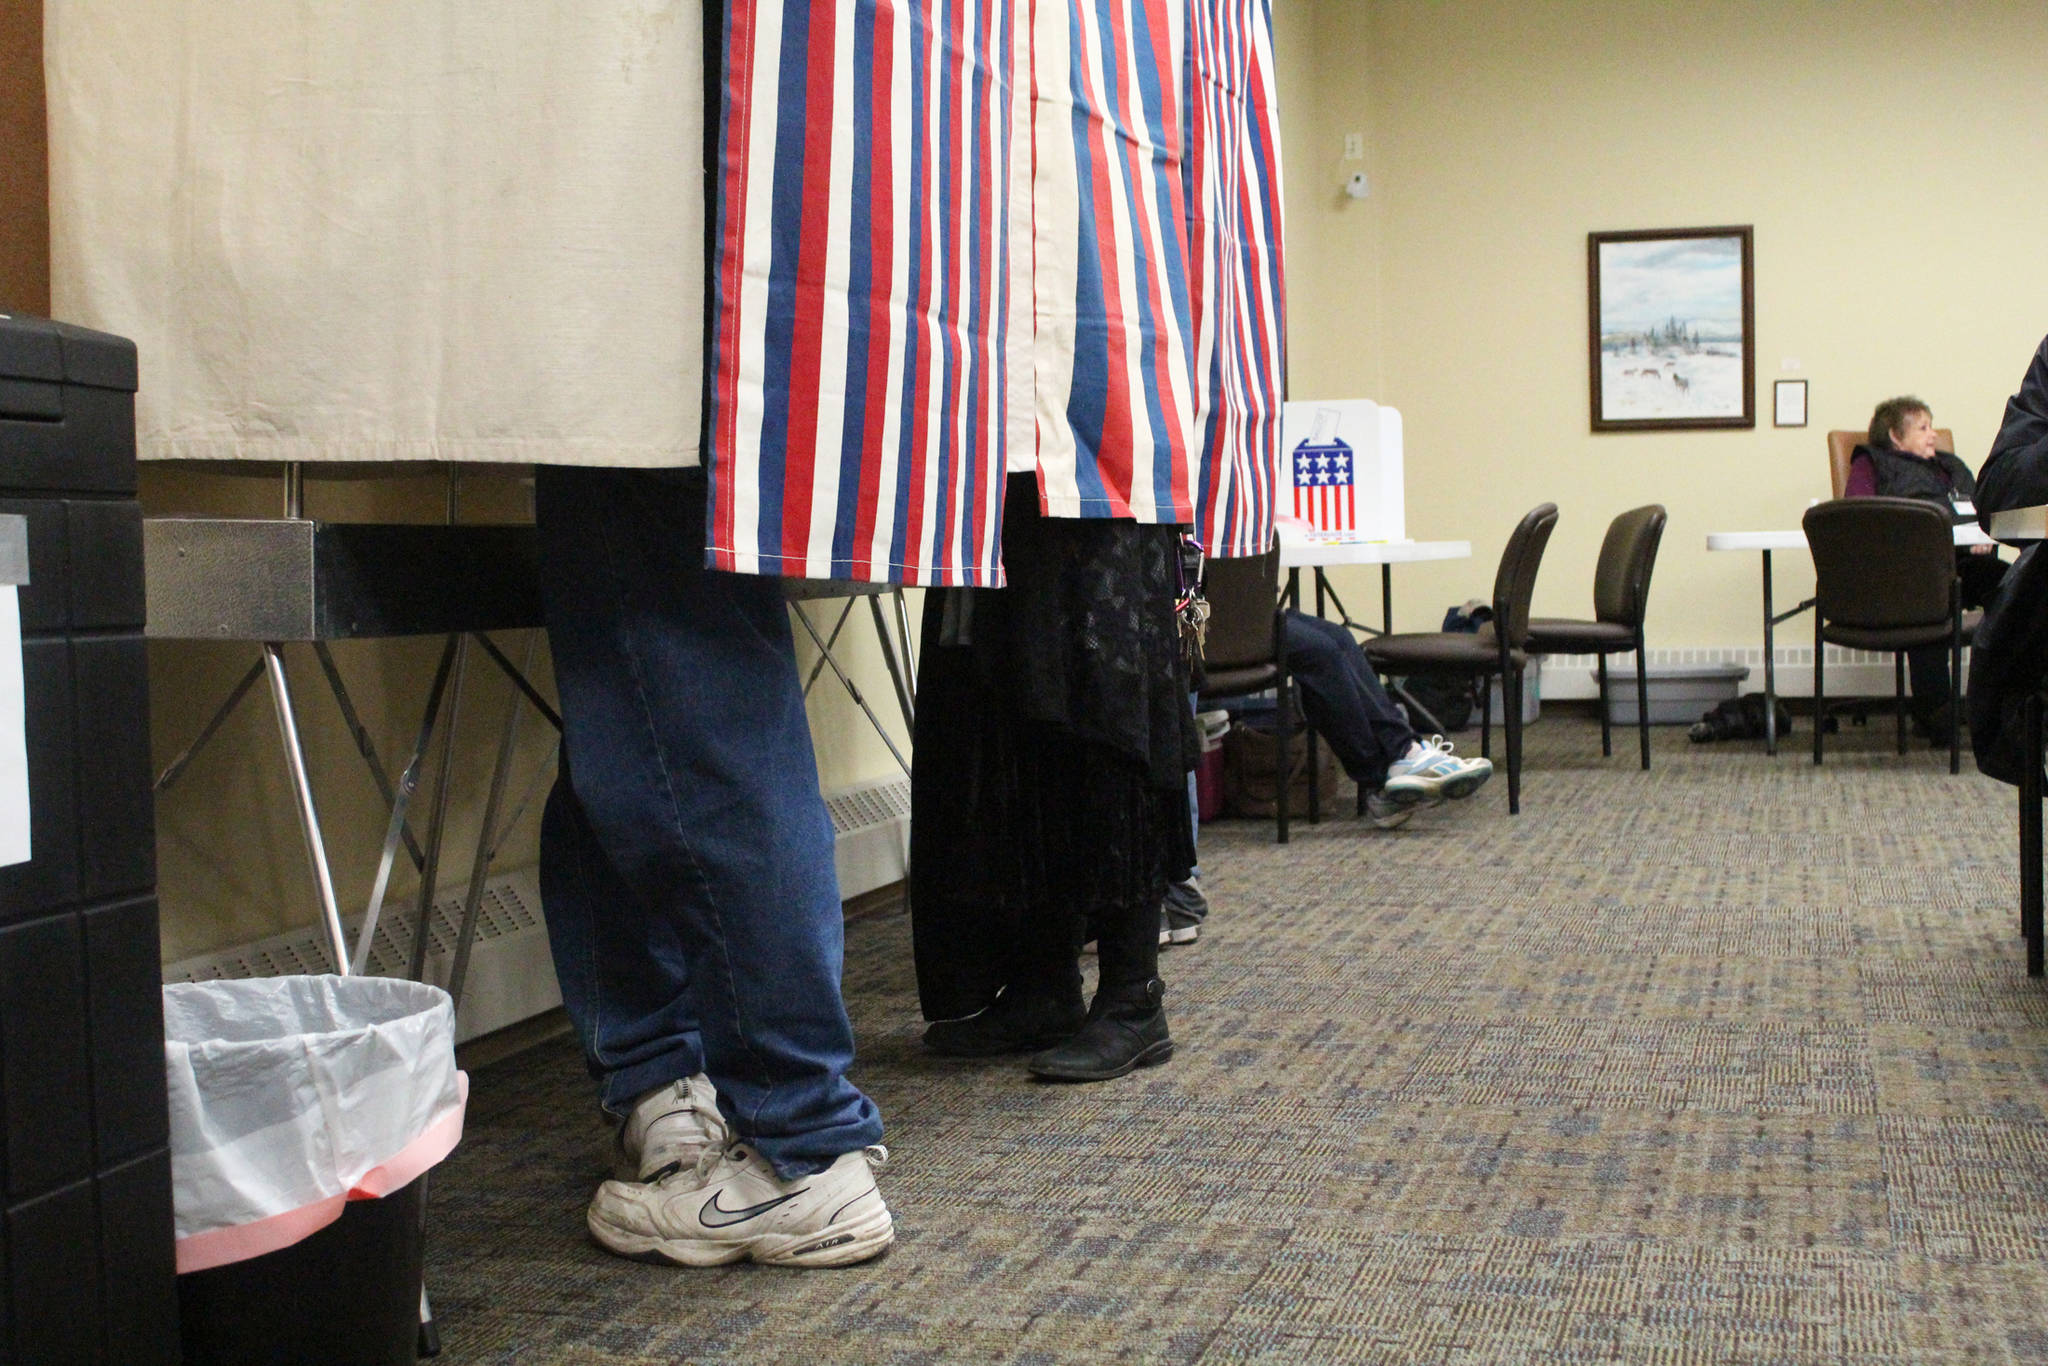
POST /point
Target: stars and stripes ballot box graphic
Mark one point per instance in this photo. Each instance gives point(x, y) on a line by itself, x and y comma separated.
point(1326, 478)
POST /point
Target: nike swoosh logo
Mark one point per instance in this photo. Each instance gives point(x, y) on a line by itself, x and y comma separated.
point(728, 1217)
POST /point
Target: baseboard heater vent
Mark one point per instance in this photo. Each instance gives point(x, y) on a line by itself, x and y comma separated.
point(872, 825)
point(511, 972)
point(1850, 673)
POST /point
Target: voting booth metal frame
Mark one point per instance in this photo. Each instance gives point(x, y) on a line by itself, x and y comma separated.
point(273, 581)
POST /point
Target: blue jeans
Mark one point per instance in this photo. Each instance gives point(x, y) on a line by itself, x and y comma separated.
point(1342, 698)
point(686, 856)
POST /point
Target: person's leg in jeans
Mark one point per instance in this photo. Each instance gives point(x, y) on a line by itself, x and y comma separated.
point(686, 855)
point(1343, 699)
point(1186, 905)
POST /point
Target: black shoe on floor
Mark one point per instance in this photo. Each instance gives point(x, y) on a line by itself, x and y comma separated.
point(1016, 1023)
point(1126, 1029)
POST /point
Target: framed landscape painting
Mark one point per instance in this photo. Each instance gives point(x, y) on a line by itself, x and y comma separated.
point(1673, 323)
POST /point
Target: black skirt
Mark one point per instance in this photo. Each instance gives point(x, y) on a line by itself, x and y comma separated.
point(1054, 738)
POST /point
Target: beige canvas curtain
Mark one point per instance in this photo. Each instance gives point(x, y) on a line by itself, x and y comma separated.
point(401, 230)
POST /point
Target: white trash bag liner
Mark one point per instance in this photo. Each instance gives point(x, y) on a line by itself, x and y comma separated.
point(293, 1095)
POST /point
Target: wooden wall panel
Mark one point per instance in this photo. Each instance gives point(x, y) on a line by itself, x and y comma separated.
point(24, 161)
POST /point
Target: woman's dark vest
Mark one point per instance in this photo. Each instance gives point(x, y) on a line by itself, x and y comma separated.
point(1900, 475)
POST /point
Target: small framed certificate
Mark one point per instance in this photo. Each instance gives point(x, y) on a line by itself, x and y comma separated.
point(1788, 403)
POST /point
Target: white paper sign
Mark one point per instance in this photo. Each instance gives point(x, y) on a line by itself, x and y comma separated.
point(13, 735)
point(1342, 468)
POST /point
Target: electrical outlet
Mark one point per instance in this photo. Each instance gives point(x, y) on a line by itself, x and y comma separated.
point(1354, 147)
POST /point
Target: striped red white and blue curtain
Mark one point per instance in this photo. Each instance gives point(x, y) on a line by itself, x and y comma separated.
point(1115, 323)
point(935, 212)
point(857, 403)
point(1233, 186)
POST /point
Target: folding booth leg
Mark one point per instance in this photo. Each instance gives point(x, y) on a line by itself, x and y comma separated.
point(309, 816)
point(235, 694)
point(401, 803)
point(437, 820)
point(905, 695)
point(480, 866)
point(365, 746)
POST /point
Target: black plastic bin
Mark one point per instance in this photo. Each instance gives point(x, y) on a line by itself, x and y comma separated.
point(347, 1296)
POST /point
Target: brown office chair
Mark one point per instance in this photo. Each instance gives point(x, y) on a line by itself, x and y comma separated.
point(1243, 652)
point(1621, 596)
point(1885, 579)
point(1501, 652)
point(1842, 445)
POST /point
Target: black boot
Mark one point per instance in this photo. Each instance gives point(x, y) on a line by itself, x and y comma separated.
point(1126, 1028)
point(1018, 1022)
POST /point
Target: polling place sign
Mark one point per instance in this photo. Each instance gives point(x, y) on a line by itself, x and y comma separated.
point(13, 701)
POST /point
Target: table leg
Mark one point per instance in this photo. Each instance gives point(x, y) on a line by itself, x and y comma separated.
point(437, 817)
point(401, 802)
point(1770, 666)
point(1387, 598)
point(1315, 771)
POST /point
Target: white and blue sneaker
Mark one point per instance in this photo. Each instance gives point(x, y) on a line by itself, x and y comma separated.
point(1429, 773)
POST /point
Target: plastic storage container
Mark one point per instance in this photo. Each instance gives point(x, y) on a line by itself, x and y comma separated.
point(1678, 696)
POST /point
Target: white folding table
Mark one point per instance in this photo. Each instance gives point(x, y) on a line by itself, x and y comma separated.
point(1302, 547)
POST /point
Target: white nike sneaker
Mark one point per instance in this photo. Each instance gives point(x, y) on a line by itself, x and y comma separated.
point(1430, 773)
point(733, 1207)
point(668, 1129)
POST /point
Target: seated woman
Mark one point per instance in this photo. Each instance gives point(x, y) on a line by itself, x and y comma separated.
point(1900, 461)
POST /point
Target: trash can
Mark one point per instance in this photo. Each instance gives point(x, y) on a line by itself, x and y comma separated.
point(305, 1112)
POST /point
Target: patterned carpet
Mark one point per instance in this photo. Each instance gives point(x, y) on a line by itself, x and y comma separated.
point(1731, 1062)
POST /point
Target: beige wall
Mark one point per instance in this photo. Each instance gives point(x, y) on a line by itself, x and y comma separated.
point(1889, 155)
